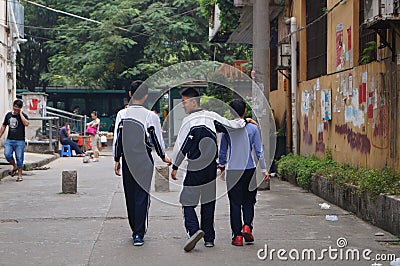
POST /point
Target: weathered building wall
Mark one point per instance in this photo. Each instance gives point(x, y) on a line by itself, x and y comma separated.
point(6, 94)
point(353, 109)
point(363, 130)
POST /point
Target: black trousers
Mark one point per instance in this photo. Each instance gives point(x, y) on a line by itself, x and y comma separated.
point(241, 199)
point(137, 201)
point(200, 185)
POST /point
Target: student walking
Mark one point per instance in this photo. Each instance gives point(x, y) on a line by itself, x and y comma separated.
point(143, 128)
point(240, 174)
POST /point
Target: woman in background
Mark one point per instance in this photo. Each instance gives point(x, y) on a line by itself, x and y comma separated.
point(94, 139)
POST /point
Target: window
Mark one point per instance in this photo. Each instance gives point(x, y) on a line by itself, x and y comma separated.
point(367, 38)
point(316, 39)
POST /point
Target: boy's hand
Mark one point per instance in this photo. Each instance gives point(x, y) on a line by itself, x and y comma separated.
point(251, 120)
point(117, 168)
point(173, 174)
point(167, 160)
point(266, 177)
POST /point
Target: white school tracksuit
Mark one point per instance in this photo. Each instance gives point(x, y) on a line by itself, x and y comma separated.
point(135, 126)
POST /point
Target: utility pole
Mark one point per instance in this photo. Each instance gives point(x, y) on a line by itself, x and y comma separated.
point(261, 73)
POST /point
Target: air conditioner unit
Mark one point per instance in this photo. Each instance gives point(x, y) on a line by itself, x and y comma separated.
point(284, 53)
point(377, 10)
point(390, 8)
point(371, 10)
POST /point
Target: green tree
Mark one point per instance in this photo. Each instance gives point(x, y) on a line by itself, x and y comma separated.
point(33, 59)
point(134, 39)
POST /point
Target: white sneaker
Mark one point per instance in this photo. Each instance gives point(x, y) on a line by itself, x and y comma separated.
point(95, 160)
point(192, 241)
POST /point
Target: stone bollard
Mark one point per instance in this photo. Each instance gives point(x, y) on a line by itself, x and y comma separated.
point(161, 182)
point(69, 182)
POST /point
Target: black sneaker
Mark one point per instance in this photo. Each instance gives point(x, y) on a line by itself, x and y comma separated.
point(138, 241)
point(209, 244)
point(192, 241)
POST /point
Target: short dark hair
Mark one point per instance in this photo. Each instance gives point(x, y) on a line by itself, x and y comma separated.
point(138, 89)
point(18, 103)
point(239, 106)
point(191, 93)
point(95, 113)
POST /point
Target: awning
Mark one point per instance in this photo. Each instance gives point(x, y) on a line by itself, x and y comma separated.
point(244, 32)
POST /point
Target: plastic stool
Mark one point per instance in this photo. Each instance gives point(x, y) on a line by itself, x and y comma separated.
point(66, 151)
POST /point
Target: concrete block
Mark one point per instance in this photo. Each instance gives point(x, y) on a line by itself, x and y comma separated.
point(161, 182)
point(69, 182)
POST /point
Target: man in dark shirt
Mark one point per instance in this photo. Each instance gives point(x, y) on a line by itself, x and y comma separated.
point(65, 133)
point(16, 121)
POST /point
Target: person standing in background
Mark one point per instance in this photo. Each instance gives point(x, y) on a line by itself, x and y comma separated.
point(94, 139)
point(16, 120)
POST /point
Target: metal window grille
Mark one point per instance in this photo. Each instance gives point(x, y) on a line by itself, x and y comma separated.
point(316, 39)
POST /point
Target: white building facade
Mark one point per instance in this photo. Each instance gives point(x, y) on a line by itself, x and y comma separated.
point(11, 35)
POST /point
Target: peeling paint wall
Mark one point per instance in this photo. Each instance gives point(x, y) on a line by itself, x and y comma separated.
point(353, 110)
point(364, 114)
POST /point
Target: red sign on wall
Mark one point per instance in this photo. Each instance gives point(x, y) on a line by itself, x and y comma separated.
point(33, 104)
point(370, 105)
point(362, 93)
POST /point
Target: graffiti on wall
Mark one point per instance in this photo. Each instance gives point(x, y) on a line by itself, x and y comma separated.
point(320, 145)
point(357, 141)
point(380, 129)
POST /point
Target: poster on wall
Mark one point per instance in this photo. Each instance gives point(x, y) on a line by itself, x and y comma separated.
point(326, 104)
point(350, 46)
point(339, 46)
point(350, 85)
point(353, 113)
point(305, 102)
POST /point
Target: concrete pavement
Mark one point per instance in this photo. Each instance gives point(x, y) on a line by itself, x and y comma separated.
point(31, 160)
point(41, 226)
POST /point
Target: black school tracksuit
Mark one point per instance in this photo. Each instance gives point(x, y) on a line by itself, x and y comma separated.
point(197, 142)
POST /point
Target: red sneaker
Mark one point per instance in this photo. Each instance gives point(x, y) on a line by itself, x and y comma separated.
point(246, 233)
point(237, 241)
